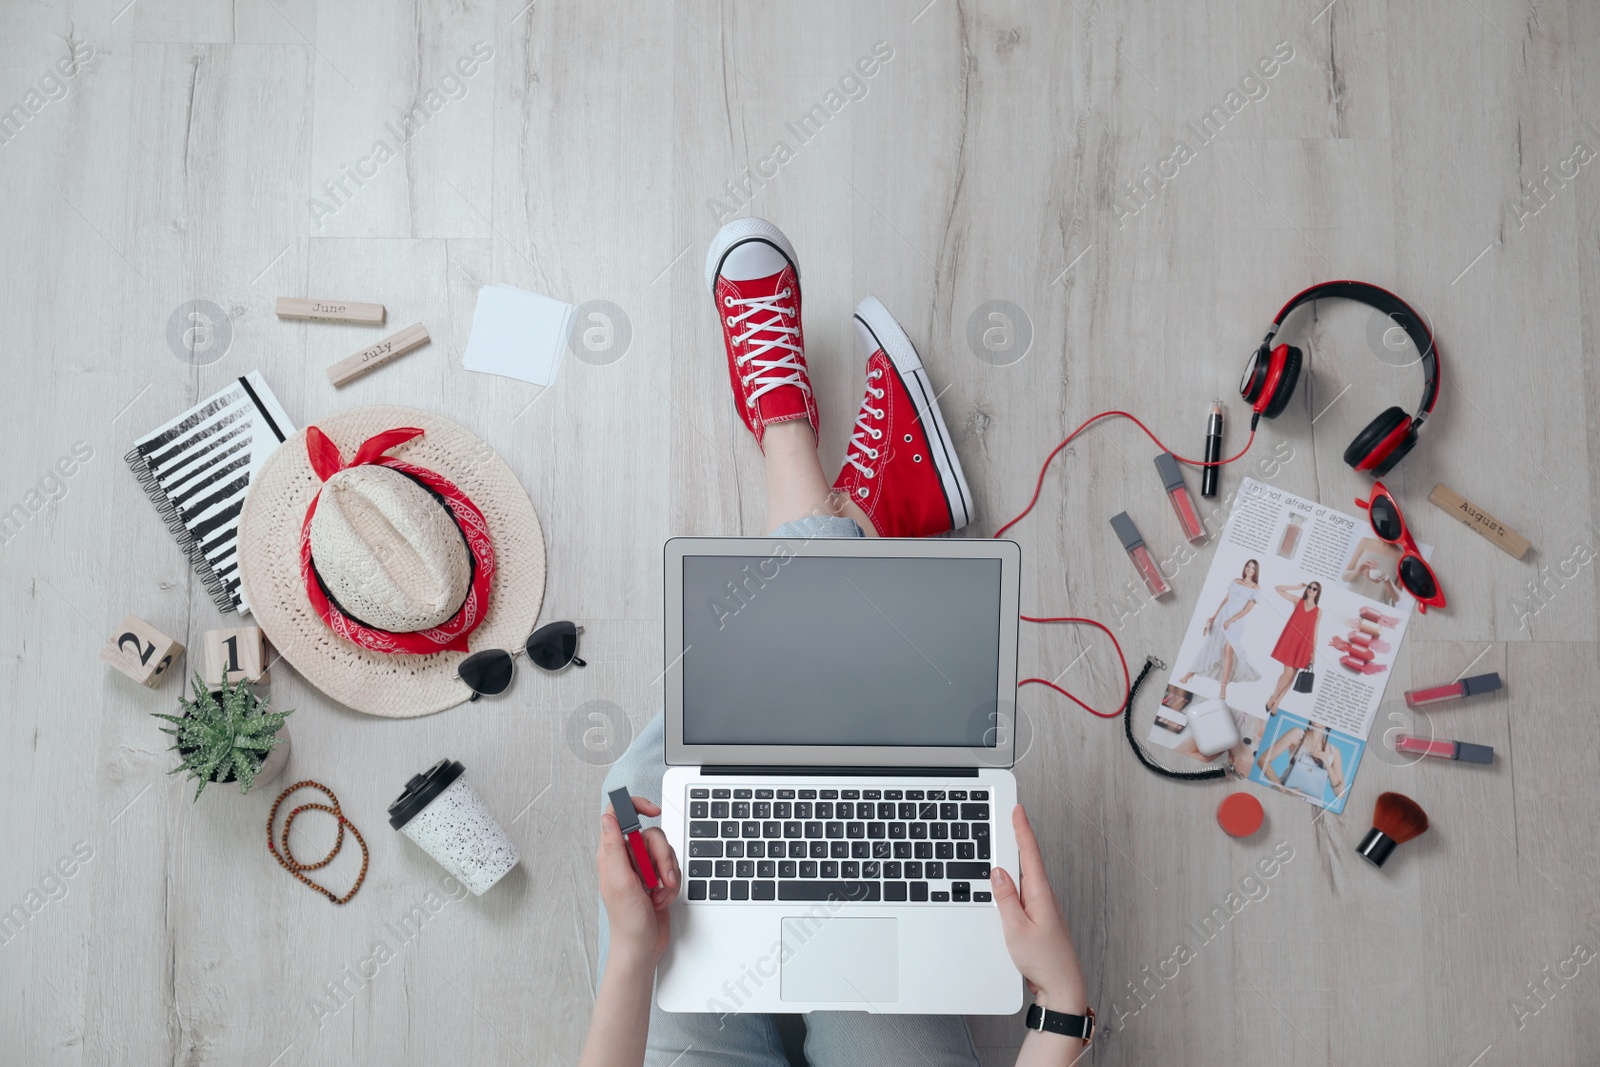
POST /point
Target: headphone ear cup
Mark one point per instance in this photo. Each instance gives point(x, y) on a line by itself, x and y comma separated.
point(1396, 454)
point(1380, 445)
point(1283, 389)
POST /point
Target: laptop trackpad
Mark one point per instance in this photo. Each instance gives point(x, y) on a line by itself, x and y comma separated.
point(840, 959)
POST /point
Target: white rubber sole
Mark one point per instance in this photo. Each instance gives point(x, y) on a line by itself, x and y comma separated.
point(737, 232)
point(903, 354)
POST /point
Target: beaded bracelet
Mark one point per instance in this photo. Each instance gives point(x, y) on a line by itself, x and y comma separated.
point(294, 866)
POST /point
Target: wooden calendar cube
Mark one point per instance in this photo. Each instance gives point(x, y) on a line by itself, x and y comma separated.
point(239, 653)
point(141, 651)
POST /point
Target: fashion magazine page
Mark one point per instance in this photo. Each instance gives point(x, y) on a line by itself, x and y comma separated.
point(1297, 626)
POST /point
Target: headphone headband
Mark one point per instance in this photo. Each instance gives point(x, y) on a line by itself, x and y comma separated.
point(1391, 305)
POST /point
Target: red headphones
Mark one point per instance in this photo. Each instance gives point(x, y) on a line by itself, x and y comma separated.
point(1270, 377)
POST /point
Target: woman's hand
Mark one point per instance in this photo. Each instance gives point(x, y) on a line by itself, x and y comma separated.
point(640, 925)
point(640, 922)
point(1036, 932)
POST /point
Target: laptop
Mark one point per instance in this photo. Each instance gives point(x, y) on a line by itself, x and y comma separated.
point(839, 741)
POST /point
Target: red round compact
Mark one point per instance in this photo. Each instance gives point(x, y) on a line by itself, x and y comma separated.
point(1240, 814)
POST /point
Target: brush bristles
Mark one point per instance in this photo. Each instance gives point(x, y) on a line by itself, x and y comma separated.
point(1399, 816)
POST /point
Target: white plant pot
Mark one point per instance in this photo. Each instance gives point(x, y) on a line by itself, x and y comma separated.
point(272, 767)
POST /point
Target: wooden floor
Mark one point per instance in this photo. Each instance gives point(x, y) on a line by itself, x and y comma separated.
point(213, 149)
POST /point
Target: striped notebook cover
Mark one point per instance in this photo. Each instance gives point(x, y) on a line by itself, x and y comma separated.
point(196, 468)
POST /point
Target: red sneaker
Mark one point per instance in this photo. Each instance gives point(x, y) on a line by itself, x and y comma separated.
point(752, 272)
point(901, 468)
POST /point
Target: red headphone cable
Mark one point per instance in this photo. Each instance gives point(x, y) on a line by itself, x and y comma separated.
point(1127, 690)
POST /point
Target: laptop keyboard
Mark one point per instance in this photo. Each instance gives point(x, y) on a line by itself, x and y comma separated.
point(864, 845)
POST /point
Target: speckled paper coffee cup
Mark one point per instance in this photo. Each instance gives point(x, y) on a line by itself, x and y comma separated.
point(455, 827)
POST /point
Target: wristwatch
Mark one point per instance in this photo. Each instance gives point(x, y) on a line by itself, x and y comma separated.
point(1055, 1022)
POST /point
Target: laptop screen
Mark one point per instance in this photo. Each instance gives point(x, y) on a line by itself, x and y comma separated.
point(839, 650)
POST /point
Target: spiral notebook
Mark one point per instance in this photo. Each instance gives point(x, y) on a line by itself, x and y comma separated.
point(196, 468)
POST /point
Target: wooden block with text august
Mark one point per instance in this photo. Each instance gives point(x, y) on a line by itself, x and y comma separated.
point(1479, 521)
point(376, 355)
point(294, 307)
point(234, 654)
point(141, 651)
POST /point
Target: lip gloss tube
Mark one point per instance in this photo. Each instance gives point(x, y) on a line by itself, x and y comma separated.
point(1143, 562)
point(628, 822)
point(1178, 493)
point(1465, 687)
point(1456, 750)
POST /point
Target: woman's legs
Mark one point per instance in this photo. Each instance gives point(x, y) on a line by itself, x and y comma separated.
point(901, 476)
point(753, 277)
point(1283, 687)
point(856, 1039)
point(1227, 671)
point(796, 488)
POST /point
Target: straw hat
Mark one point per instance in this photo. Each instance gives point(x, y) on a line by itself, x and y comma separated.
point(372, 555)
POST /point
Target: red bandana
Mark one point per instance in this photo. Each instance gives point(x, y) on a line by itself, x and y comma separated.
point(450, 636)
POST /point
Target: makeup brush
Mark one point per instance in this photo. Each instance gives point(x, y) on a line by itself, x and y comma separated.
point(1396, 819)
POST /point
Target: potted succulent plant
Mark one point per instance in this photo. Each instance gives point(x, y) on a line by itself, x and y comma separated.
point(227, 736)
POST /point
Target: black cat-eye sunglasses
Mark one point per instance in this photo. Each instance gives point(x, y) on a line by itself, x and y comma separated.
point(551, 647)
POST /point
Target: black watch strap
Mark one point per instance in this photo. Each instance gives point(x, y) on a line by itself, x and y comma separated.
point(1056, 1022)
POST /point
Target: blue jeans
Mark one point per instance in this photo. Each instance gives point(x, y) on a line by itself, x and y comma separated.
point(833, 1038)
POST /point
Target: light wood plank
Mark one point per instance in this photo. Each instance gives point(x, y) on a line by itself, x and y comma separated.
point(587, 160)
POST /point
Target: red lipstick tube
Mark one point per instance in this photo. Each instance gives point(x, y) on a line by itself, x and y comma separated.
point(1456, 750)
point(1178, 493)
point(1143, 562)
point(1465, 687)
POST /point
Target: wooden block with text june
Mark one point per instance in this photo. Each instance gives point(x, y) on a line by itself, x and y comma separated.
point(141, 651)
point(294, 307)
point(237, 653)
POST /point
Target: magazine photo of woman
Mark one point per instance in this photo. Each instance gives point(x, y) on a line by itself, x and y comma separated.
point(1298, 642)
point(1315, 764)
point(1222, 656)
point(1371, 571)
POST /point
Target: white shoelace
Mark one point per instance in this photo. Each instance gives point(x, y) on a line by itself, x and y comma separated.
point(779, 337)
point(865, 430)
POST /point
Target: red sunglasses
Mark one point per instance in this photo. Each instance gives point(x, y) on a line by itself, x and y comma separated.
point(1413, 571)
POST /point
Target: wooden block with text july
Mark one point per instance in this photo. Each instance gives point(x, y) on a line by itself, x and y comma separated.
point(294, 307)
point(376, 355)
point(237, 653)
point(141, 651)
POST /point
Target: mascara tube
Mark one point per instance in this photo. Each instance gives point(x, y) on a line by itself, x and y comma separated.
point(1208, 473)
